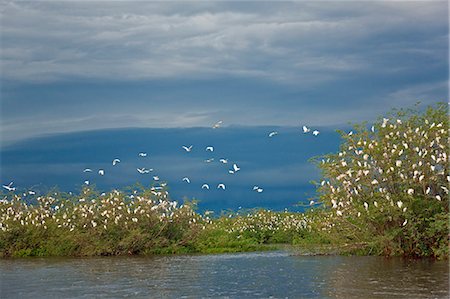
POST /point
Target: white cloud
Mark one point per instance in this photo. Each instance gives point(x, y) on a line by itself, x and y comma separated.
point(300, 41)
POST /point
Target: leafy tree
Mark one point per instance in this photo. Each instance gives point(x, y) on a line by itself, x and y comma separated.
point(388, 184)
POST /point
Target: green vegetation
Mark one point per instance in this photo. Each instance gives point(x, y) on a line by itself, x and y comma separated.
point(387, 188)
point(384, 193)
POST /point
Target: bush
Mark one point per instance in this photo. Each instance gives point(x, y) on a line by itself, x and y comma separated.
point(388, 185)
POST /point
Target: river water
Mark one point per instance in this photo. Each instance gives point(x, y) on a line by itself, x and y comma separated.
point(245, 275)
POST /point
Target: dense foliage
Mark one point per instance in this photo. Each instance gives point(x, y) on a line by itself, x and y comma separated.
point(388, 185)
point(145, 222)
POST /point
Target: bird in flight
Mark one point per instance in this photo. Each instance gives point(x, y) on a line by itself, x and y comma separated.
point(209, 160)
point(156, 178)
point(9, 187)
point(217, 124)
point(205, 186)
point(224, 161)
point(187, 149)
point(142, 154)
point(271, 134)
point(306, 129)
point(101, 172)
point(236, 168)
point(115, 161)
point(187, 180)
point(258, 189)
point(210, 148)
point(87, 170)
point(143, 170)
point(86, 182)
point(315, 132)
point(221, 186)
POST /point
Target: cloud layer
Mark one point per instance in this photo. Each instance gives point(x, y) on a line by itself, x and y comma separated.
point(70, 66)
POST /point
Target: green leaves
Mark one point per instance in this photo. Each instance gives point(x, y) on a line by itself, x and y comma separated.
point(390, 178)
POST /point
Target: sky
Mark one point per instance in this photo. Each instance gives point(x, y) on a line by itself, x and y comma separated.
point(82, 69)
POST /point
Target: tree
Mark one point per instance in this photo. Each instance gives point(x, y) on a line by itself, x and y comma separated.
point(388, 184)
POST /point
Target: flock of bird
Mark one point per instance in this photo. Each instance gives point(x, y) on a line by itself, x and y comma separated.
point(235, 168)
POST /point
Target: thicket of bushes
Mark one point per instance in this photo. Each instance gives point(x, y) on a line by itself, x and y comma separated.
point(387, 187)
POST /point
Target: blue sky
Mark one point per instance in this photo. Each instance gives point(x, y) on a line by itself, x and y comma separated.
point(69, 67)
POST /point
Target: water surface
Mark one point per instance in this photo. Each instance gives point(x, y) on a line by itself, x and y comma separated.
point(245, 275)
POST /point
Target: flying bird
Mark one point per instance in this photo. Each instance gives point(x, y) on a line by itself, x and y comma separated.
point(236, 168)
point(315, 132)
point(258, 189)
point(209, 160)
point(224, 161)
point(143, 170)
point(221, 186)
point(187, 149)
point(115, 161)
point(210, 148)
point(271, 134)
point(9, 187)
point(86, 182)
point(87, 170)
point(101, 172)
point(187, 180)
point(156, 178)
point(306, 129)
point(217, 124)
point(205, 186)
point(142, 154)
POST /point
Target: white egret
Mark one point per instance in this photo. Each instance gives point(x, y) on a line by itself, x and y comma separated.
point(217, 124)
point(156, 178)
point(210, 148)
point(209, 160)
point(271, 134)
point(101, 172)
point(315, 132)
point(143, 170)
point(187, 180)
point(224, 161)
point(87, 170)
point(187, 148)
point(306, 129)
point(115, 161)
point(205, 186)
point(221, 186)
point(236, 168)
point(9, 187)
point(142, 154)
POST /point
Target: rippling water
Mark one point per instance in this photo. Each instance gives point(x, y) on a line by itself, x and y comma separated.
point(247, 275)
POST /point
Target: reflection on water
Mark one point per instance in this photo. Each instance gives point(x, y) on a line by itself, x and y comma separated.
point(249, 275)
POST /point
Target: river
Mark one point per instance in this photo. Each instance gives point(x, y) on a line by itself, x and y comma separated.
point(277, 274)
